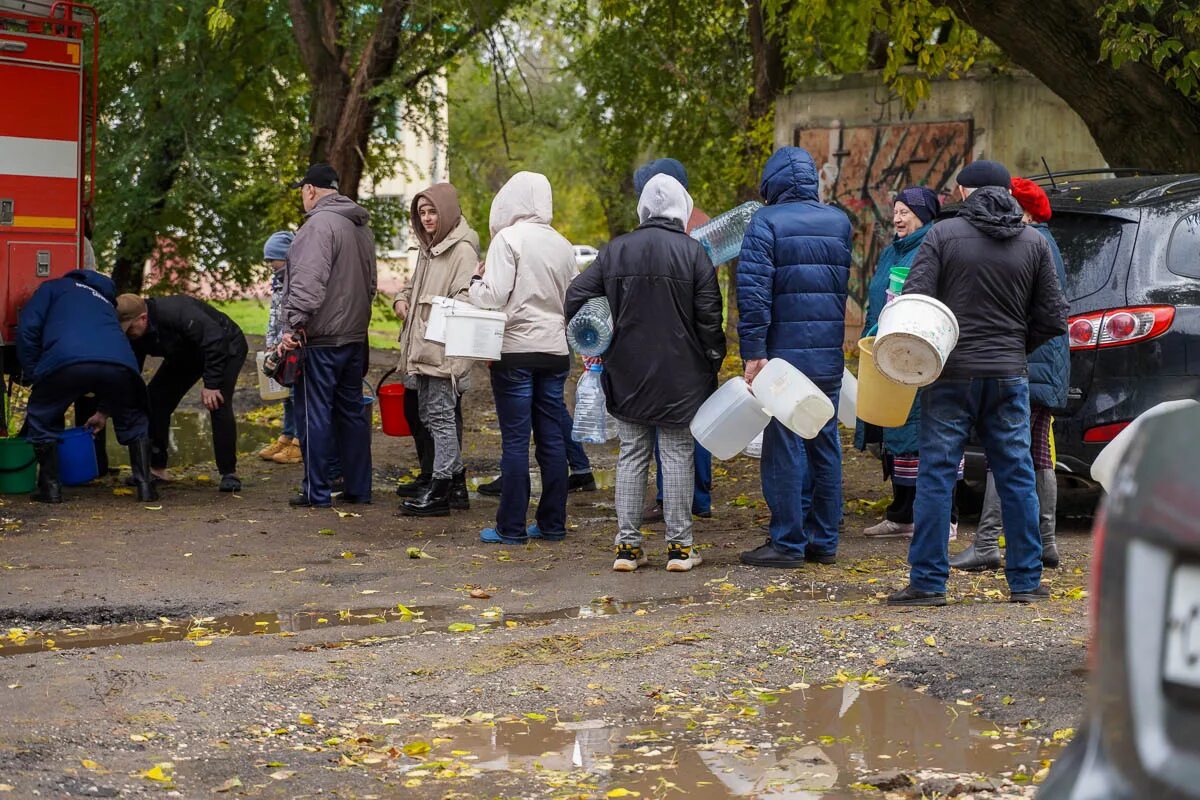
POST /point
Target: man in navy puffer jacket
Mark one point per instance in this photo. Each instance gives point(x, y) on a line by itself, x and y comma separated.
point(792, 277)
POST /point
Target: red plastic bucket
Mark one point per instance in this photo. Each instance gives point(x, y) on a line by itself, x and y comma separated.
point(391, 410)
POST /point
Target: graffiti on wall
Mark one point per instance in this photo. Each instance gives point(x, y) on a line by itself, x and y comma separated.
point(863, 167)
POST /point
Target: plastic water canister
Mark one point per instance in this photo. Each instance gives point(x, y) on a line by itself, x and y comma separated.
point(722, 235)
point(591, 414)
point(590, 331)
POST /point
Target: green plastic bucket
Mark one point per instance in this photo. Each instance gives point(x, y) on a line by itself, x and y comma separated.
point(18, 467)
point(897, 278)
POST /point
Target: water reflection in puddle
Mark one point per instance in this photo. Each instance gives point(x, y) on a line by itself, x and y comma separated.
point(191, 439)
point(817, 744)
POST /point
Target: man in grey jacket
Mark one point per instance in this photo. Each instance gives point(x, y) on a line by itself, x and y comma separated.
point(329, 284)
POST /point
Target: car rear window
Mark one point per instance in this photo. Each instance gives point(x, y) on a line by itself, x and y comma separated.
point(1183, 253)
point(1089, 245)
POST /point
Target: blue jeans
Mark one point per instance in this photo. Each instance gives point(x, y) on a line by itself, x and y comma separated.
point(289, 415)
point(334, 429)
point(702, 489)
point(530, 400)
point(998, 410)
point(802, 483)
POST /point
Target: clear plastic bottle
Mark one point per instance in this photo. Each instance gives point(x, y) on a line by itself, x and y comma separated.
point(722, 235)
point(590, 331)
point(590, 408)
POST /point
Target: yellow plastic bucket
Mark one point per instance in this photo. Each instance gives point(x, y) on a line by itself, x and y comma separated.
point(880, 401)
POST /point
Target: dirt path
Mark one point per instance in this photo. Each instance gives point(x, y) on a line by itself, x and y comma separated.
point(271, 652)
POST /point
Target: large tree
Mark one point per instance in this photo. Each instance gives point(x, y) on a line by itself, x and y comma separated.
point(365, 58)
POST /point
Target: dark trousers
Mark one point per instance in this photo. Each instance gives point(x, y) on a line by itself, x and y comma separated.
point(802, 484)
point(119, 392)
point(422, 438)
point(85, 407)
point(998, 410)
point(331, 421)
point(174, 379)
point(530, 400)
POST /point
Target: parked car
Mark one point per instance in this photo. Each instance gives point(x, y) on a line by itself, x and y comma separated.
point(1139, 736)
point(585, 254)
point(1131, 247)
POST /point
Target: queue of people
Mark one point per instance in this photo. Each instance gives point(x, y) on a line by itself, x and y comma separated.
point(989, 258)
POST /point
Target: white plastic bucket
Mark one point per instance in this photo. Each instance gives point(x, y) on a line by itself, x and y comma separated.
point(729, 420)
point(1104, 468)
point(435, 328)
point(268, 387)
point(916, 335)
point(474, 333)
point(848, 400)
point(788, 395)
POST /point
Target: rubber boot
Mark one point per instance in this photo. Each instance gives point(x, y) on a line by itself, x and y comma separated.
point(1047, 492)
point(416, 488)
point(139, 462)
point(984, 553)
point(49, 487)
point(460, 498)
point(434, 503)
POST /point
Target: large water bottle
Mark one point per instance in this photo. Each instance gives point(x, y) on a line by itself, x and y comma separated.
point(590, 408)
point(722, 236)
point(590, 330)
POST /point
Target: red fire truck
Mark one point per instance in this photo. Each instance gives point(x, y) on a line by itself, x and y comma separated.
point(48, 59)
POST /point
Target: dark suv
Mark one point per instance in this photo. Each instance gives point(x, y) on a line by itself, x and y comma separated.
point(1131, 247)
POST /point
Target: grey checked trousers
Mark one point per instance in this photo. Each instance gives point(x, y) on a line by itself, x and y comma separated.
point(437, 402)
point(677, 449)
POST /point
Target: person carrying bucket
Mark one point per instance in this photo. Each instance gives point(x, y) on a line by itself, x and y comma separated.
point(792, 279)
point(1049, 379)
point(996, 275)
point(913, 214)
point(196, 343)
point(447, 257)
point(69, 342)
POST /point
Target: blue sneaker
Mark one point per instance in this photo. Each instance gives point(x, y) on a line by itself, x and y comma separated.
point(534, 532)
point(492, 536)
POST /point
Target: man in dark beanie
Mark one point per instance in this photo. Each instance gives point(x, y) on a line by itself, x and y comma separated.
point(997, 276)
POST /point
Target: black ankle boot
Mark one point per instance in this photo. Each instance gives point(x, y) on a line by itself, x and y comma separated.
point(416, 488)
point(460, 498)
point(434, 503)
point(139, 462)
point(49, 487)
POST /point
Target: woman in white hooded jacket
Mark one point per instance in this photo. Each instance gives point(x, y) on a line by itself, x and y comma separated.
point(528, 268)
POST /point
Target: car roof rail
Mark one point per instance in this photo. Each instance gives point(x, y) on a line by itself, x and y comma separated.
point(1117, 171)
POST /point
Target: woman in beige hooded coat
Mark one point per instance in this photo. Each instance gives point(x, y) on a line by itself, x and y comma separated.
point(446, 260)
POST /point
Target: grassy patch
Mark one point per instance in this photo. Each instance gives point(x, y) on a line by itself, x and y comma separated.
point(251, 316)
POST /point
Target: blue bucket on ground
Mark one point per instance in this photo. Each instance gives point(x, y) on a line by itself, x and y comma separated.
point(77, 457)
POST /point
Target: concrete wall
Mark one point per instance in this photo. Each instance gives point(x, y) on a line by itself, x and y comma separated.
point(1015, 118)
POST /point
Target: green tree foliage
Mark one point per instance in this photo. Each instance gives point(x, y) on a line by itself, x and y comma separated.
point(1165, 35)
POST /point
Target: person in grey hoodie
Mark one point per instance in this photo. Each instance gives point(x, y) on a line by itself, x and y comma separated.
point(529, 266)
point(328, 288)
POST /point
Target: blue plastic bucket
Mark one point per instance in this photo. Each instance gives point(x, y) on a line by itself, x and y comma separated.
point(77, 457)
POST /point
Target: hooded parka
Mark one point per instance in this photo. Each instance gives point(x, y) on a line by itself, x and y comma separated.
point(667, 343)
point(529, 265)
point(446, 260)
point(793, 272)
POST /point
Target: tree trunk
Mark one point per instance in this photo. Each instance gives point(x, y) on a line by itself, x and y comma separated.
point(1136, 117)
point(138, 241)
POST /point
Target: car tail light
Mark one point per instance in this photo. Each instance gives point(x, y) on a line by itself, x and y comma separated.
point(1119, 326)
point(1104, 433)
point(1097, 563)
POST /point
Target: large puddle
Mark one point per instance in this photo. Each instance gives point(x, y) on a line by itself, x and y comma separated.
point(191, 440)
point(477, 614)
point(807, 744)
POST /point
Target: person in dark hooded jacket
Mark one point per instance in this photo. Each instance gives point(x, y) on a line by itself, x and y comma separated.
point(1049, 377)
point(997, 276)
point(662, 363)
point(791, 286)
point(69, 342)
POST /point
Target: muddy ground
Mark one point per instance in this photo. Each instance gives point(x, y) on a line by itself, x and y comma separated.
point(215, 645)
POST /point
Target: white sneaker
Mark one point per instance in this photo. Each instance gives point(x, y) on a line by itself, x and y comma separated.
point(682, 559)
point(953, 531)
point(629, 558)
point(889, 530)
